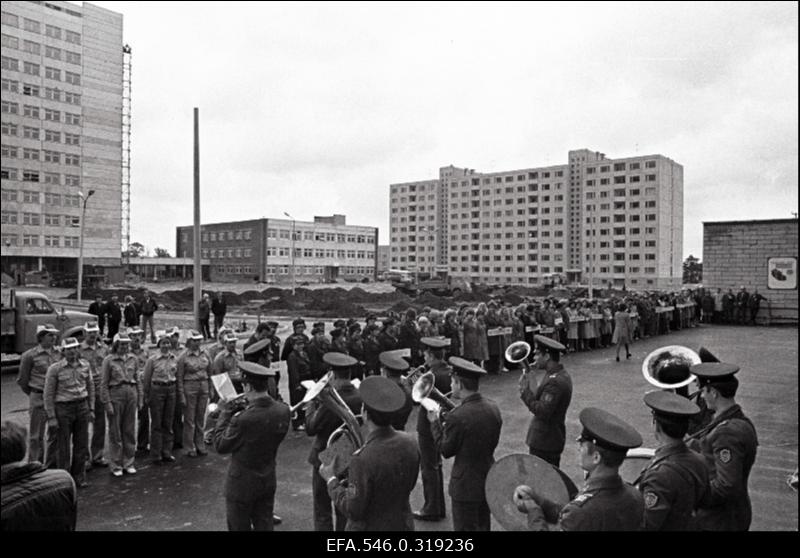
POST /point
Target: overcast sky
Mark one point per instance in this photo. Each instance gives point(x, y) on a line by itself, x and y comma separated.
point(314, 109)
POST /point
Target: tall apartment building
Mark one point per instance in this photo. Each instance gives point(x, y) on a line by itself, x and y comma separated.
point(325, 250)
point(611, 221)
point(62, 96)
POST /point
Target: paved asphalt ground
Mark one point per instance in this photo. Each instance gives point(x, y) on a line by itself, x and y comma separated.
point(187, 495)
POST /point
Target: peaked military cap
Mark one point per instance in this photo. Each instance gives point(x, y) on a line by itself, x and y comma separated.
point(339, 360)
point(548, 344)
point(714, 372)
point(607, 430)
point(255, 369)
point(435, 342)
point(706, 355)
point(393, 362)
point(669, 404)
point(462, 367)
point(381, 394)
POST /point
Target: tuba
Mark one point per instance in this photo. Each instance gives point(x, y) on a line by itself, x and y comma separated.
point(411, 378)
point(345, 440)
point(668, 367)
point(425, 393)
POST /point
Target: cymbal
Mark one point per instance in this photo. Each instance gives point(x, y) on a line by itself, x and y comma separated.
point(513, 470)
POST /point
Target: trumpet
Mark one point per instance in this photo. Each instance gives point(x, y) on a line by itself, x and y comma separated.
point(425, 393)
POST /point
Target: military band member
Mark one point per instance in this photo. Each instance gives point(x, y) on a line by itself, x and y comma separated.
point(606, 502)
point(95, 351)
point(69, 402)
point(252, 436)
point(192, 375)
point(121, 394)
point(321, 422)
point(160, 393)
point(547, 391)
point(470, 433)
point(32, 373)
point(675, 481)
point(298, 328)
point(728, 446)
point(382, 474)
point(433, 508)
point(393, 368)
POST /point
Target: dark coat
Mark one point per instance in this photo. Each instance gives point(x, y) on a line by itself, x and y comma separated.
point(131, 314)
point(252, 437)
point(547, 431)
point(728, 446)
point(441, 372)
point(321, 421)
point(204, 310)
point(603, 504)
point(400, 417)
point(36, 499)
point(113, 313)
point(149, 307)
point(470, 432)
point(673, 485)
point(381, 477)
point(219, 307)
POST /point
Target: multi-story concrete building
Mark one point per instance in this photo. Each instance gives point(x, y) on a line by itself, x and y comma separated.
point(62, 91)
point(324, 250)
point(383, 258)
point(609, 221)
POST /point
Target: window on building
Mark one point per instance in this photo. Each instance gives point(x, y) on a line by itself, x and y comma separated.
point(52, 115)
point(52, 31)
point(72, 78)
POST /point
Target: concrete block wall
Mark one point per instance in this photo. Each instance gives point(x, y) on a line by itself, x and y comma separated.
point(736, 253)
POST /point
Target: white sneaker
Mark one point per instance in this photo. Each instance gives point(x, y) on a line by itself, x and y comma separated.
point(117, 472)
point(130, 470)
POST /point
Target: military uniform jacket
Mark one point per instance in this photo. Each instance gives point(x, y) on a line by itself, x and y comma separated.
point(252, 437)
point(603, 504)
point(321, 421)
point(470, 432)
point(33, 368)
point(400, 418)
point(381, 477)
point(441, 371)
point(673, 485)
point(549, 403)
point(728, 446)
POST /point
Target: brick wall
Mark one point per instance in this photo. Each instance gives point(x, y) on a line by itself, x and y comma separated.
point(736, 253)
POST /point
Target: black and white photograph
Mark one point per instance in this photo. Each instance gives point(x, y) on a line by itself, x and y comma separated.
point(399, 274)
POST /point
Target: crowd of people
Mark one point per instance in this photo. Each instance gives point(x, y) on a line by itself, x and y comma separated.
point(157, 401)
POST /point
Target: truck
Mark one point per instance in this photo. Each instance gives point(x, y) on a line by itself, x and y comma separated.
point(440, 284)
point(24, 312)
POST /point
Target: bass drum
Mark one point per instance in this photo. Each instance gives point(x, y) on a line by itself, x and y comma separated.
point(635, 462)
point(513, 470)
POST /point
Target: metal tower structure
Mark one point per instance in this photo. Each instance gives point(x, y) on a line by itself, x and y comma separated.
point(126, 153)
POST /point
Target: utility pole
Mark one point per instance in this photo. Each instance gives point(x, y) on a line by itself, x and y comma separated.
point(294, 282)
point(198, 266)
point(80, 250)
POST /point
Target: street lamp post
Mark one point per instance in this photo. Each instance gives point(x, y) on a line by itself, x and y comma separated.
point(293, 275)
point(80, 248)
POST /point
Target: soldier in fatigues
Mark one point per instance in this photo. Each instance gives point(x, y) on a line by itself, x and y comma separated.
point(470, 433)
point(92, 349)
point(382, 474)
point(69, 402)
point(675, 481)
point(433, 508)
point(728, 446)
point(606, 502)
point(32, 372)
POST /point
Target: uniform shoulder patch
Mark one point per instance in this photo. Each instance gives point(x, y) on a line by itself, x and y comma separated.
point(725, 455)
point(547, 397)
point(650, 499)
point(581, 499)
